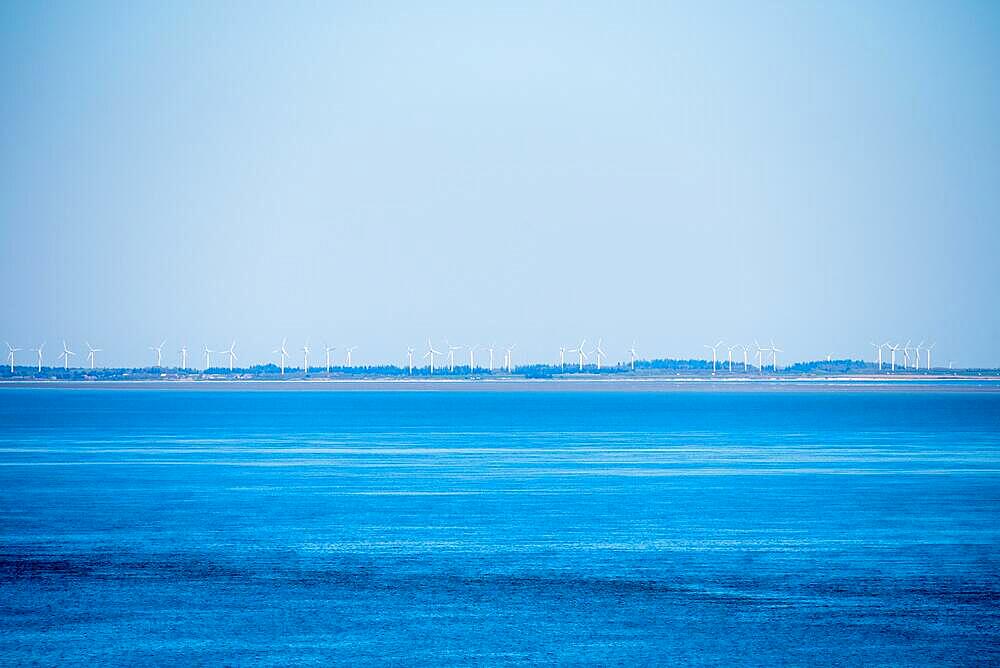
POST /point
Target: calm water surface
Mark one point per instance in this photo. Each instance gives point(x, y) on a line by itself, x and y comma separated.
point(237, 527)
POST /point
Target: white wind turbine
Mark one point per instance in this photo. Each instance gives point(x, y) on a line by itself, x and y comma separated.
point(38, 350)
point(208, 358)
point(878, 348)
point(510, 357)
point(10, 355)
point(158, 350)
point(492, 346)
point(409, 359)
point(774, 355)
point(731, 349)
point(305, 357)
point(632, 355)
point(232, 354)
point(431, 353)
point(349, 351)
point(760, 356)
point(715, 352)
point(580, 352)
point(472, 357)
point(599, 353)
point(184, 357)
point(893, 347)
point(906, 354)
point(328, 350)
point(451, 355)
point(562, 359)
point(65, 355)
point(926, 366)
point(746, 350)
point(283, 353)
point(92, 355)
point(916, 357)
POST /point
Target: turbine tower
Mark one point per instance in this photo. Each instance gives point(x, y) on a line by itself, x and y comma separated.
point(599, 353)
point(328, 350)
point(892, 355)
point(746, 350)
point(472, 357)
point(305, 357)
point(208, 358)
point(510, 357)
point(926, 366)
point(349, 351)
point(774, 355)
point(916, 357)
point(184, 357)
point(562, 359)
point(232, 354)
point(491, 348)
point(715, 352)
point(580, 352)
point(451, 355)
point(65, 355)
point(431, 353)
point(158, 350)
point(760, 357)
point(39, 351)
point(878, 348)
point(731, 349)
point(92, 355)
point(283, 353)
point(409, 359)
point(632, 355)
point(10, 356)
point(906, 354)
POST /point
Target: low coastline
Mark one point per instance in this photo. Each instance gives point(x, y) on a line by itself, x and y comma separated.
point(648, 384)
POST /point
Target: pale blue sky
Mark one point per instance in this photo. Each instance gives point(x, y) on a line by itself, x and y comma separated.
point(378, 173)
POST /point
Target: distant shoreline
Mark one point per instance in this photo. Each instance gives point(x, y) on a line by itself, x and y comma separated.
point(658, 384)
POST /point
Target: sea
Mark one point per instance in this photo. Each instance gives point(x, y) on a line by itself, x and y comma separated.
point(765, 526)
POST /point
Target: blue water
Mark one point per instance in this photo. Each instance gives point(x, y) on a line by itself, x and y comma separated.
point(242, 527)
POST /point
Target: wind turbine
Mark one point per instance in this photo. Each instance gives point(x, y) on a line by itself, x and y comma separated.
point(562, 359)
point(92, 355)
point(491, 348)
point(472, 357)
point(927, 349)
point(774, 355)
point(349, 351)
point(599, 353)
point(159, 352)
point(431, 353)
point(328, 350)
point(731, 349)
point(409, 359)
point(65, 354)
point(760, 357)
point(892, 354)
point(10, 356)
point(906, 354)
point(745, 349)
point(305, 357)
point(580, 351)
point(232, 354)
point(916, 357)
point(878, 347)
point(208, 358)
point(184, 357)
point(451, 355)
point(632, 355)
point(510, 357)
point(715, 350)
point(39, 351)
point(283, 353)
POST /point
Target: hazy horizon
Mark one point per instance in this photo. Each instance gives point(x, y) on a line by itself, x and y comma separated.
point(823, 175)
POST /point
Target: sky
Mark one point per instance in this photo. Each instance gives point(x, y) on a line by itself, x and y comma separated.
point(374, 174)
